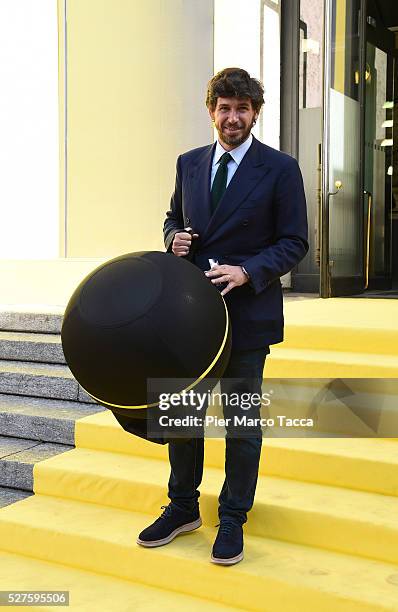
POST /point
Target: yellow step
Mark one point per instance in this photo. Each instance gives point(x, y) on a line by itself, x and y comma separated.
point(89, 591)
point(338, 337)
point(332, 336)
point(363, 464)
point(352, 522)
point(357, 314)
point(312, 363)
point(342, 324)
point(354, 407)
point(273, 576)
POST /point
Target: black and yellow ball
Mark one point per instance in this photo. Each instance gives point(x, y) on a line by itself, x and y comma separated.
point(140, 316)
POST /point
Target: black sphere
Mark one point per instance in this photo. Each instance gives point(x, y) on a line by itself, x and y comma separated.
point(146, 315)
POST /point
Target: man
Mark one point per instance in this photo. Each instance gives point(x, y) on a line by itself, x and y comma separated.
point(244, 206)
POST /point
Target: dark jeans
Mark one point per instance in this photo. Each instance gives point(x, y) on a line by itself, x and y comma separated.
point(242, 454)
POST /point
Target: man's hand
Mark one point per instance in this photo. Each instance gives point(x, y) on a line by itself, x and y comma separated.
point(182, 242)
point(233, 275)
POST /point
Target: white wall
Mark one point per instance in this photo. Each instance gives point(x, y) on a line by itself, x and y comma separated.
point(29, 147)
point(237, 42)
point(271, 77)
point(237, 37)
point(136, 82)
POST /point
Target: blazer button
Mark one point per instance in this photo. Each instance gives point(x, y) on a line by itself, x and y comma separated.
point(245, 223)
point(188, 220)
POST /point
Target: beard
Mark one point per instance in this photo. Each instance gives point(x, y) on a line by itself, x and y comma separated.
point(235, 139)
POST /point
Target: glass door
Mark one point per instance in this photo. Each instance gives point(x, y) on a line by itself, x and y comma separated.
point(342, 213)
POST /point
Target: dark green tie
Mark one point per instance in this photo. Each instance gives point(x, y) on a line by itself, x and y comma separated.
point(220, 181)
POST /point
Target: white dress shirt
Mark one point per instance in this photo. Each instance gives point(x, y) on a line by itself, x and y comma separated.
point(237, 155)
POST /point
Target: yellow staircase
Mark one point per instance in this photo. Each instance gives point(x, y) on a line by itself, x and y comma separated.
point(322, 536)
point(338, 337)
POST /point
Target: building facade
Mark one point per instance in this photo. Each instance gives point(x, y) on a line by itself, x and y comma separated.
point(101, 97)
point(341, 108)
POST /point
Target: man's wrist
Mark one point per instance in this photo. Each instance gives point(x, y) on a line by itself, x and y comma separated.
point(245, 272)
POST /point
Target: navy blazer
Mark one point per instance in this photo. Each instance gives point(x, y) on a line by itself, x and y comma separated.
point(260, 223)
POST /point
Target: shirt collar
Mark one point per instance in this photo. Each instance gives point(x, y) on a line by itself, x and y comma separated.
point(237, 154)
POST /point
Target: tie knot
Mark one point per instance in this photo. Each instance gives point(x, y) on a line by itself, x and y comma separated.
point(224, 159)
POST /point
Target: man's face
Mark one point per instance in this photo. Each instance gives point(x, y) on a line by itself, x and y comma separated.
point(234, 119)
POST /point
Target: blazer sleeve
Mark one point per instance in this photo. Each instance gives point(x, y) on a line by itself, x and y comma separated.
point(174, 221)
point(290, 243)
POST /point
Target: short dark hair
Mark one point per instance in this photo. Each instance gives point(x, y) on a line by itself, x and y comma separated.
point(234, 82)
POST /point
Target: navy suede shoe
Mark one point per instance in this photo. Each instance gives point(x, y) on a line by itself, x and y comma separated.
point(170, 524)
point(228, 547)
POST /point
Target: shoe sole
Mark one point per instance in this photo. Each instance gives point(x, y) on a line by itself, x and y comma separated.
point(183, 529)
point(230, 561)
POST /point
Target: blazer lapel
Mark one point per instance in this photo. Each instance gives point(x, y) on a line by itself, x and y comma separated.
point(250, 171)
point(199, 185)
